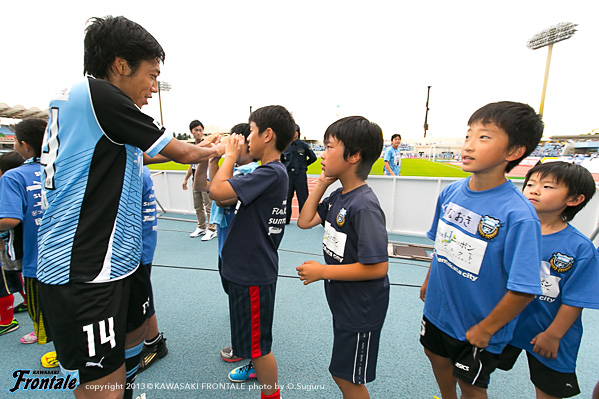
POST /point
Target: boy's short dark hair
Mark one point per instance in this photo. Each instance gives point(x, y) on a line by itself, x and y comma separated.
point(395, 135)
point(279, 120)
point(241, 128)
point(10, 160)
point(195, 123)
point(358, 135)
point(576, 178)
point(32, 132)
point(519, 121)
point(110, 37)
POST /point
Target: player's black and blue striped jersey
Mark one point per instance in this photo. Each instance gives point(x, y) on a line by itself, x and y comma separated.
point(92, 184)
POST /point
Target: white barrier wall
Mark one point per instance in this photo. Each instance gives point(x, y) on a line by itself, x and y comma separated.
point(408, 202)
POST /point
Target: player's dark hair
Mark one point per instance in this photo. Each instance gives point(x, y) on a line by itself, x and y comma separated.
point(32, 132)
point(195, 123)
point(576, 178)
point(110, 37)
point(358, 135)
point(520, 122)
point(279, 120)
point(10, 160)
point(395, 135)
point(241, 128)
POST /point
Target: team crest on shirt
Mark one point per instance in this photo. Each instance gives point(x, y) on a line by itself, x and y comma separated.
point(561, 263)
point(488, 227)
point(341, 217)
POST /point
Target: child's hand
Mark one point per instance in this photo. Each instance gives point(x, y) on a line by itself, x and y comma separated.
point(478, 336)
point(545, 345)
point(423, 290)
point(310, 271)
point(234, 144)
point(325, 181)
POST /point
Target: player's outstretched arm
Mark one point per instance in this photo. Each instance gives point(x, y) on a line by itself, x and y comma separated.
point(220, 188)
point(189, 153)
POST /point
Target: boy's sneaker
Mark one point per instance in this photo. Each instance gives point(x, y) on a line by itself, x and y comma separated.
point(30, 338)
point(209, 235)
point(197, 232)
point(152, 353)
point(227, 355)
point(49, 360)
point(20, 308)
point(12, 326)
point(243, 373)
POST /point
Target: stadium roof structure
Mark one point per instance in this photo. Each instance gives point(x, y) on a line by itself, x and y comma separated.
point(20, 112)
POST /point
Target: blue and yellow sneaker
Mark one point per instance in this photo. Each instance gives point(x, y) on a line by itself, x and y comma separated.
point(243, 373)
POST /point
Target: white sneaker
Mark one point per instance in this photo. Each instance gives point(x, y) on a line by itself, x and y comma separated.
point(198, 232)
point(209, 235)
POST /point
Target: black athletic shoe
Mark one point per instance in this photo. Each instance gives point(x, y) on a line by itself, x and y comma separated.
point(20, 308)
point(152, 353)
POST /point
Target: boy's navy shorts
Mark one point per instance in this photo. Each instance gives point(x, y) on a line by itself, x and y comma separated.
point(354, 355)
point(88, 322)
point(551, 382)
point(470, 364)
point(251, 311)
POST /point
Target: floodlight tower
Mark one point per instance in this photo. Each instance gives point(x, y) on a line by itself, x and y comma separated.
point(548, 37)
point(427, 109)
point(162, 86)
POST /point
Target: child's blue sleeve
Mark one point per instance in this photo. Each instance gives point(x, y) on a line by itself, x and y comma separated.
point(522, 257)
point(580, 289)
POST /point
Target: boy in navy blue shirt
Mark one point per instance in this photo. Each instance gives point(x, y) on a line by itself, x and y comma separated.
point(486, 265)
point(355, 250)
point(550, 328)
point(250, 262)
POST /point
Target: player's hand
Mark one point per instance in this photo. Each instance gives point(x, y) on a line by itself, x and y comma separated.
point(478, 336)
point(545, 345)
point(310, 271)
point(185, 185)
point(210, 139)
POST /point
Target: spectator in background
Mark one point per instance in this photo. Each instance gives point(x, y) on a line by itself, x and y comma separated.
point(296, 159)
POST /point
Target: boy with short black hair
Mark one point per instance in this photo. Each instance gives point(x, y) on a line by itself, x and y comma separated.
point(550, 328)
point(486, 264)
point(249, 256)
point(355, 250)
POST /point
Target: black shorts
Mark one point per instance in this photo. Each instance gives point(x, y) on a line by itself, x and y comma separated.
point(552, 382)
point(470, 364)
point(89, 321)
point(10, 282)
point(251, 310)
point(151, 311)
point(354, 355)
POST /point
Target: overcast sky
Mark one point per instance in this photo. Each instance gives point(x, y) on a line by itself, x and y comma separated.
point(325, 59)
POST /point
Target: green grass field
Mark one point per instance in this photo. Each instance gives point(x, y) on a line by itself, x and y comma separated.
point(409, 167)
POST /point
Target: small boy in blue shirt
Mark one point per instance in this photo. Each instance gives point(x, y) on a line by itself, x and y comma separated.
point(250, 262)
point(486, 264)
point(550, 328)
point(21, 215)
point(355, 250)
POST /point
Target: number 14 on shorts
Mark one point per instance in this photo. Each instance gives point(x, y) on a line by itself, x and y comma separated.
point(105, 335)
